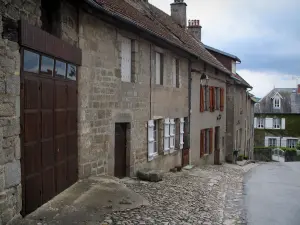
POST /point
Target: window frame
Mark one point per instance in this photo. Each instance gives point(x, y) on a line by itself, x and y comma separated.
point(288, 141)
point(276, 103)
point(260, 122)
point(159, 81)
point(272, 142)
point(276, 123)
point(126, 78)
point(233, 67)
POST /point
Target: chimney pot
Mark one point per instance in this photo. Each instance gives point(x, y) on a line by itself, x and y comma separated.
point(195, 29)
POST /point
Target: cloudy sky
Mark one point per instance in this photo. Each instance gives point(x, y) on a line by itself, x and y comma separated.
point(264, 34)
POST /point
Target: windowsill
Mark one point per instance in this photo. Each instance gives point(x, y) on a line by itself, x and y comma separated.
point(166, 152)
point(152, 157)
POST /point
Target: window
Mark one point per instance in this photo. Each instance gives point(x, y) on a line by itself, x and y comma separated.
point(276, 103)
point(60, 68)
point(233, 67)
point(206, 98)
point(159, 68)
point(272, 142)
point(206, 141)
point(166, 135)
point(276, 123)
point(217, 96)
point(172, 133)
point(260, 122)
point(71, 74)
point(126, 50)
point(47, 65)
point(152, 139)
point(181, 130)
point(31, 62)
point(292, 143)
point(175, 73)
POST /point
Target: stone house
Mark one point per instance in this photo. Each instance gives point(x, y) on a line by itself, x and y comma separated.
point(277, 116)
point(240, 107)
point(208, 107)
point(90, 88)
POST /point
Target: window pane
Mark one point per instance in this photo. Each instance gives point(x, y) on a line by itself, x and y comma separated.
point(47, 65)
point(60, 68)
point(71, 72)
point(31, 62)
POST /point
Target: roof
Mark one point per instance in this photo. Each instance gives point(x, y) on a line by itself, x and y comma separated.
point(223, 53)
point(150, 19)
point(290, 102)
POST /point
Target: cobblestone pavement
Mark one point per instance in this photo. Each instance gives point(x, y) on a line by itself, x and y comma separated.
point(209, 195)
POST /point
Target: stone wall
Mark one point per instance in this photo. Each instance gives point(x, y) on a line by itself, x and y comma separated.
point(10, 154)
point(206, 119)
point(104, 100)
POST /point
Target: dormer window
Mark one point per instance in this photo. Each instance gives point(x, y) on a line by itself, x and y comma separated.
point(276, 103)
point(233, 67)
point(276, 100)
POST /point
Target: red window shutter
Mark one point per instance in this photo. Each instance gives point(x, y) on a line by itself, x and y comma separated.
point(202, 151)
point(222, 99)
point(201, 99)
point(211, 132)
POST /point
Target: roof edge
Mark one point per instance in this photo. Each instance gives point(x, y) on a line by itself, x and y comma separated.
point(223, 53)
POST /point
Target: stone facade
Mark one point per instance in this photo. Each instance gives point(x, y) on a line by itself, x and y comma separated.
point(10, 153)
point(206, 119)
point(105, 100)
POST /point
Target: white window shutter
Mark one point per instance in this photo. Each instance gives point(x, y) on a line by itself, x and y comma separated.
point(158, 68)
point(283, 142)
point(181, 132)
point(172, 134)
point(150, 139)
point(255, 122)
point(277, 141)
point(167, 135)
point(283, 123)
point(266, 142)
point(269, 123)
point(126, 60)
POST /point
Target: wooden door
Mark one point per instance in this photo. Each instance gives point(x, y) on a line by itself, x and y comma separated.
point(48, 131)
point(217, 146)
point(120, 150)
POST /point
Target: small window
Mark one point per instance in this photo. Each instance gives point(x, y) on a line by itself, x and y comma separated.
point(272, 142)
point(31, 62)
point(159, 68)
point(126, 59)
point(276, 123)
point(60, 68)
point(206, 98)
point(260, 122)
point(292, 143)
point(217, 98)
point(47, 65)
point(71, 72)
point(276, 103)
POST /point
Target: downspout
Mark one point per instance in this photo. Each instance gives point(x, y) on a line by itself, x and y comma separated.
point(190, 106)
point(150, 82)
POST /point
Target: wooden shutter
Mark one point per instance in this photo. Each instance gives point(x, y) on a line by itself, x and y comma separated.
point(126, 60)
point(211, 132)
point(255, 122)
point(201, 98)
point(167, 135)
point(172, 134)
point(269, 123)
point(181, 132)
point(202, 145)
point(283, 123)
point(150, 140)
point(222, 99)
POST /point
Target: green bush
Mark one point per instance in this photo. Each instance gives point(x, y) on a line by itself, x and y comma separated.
point(246, 157)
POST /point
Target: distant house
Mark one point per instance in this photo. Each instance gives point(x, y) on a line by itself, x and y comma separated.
point(277, 118)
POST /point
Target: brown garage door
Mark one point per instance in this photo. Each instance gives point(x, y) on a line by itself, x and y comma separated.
point(49, 128)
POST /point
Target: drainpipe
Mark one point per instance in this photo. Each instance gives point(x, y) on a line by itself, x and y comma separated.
point(150, 82)
point(190, 106)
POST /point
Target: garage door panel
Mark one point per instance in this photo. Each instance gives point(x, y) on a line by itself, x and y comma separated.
point(32, 159)
point(72, 121)
point(72, 96)
point(48, 184)
point(72, 145)
point(60, 148)
point(48, 154)
point(60, 95)
point(33, 198)
point(47, 94)
point(60, 122)
point(31, 94)
point(61, 177)
point(47, 124)
point(72, 170)
point(31, 127)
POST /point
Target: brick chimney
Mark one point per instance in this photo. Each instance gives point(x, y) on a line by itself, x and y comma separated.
point(178, 12)
point(194, 28)
point(298, 89)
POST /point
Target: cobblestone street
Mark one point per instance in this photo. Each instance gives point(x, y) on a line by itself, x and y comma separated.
point(210, 195)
